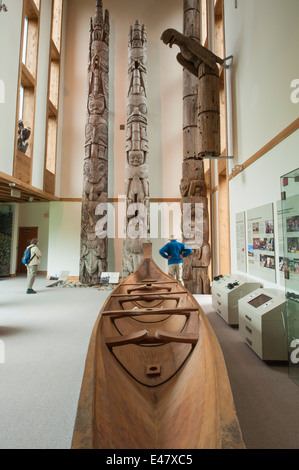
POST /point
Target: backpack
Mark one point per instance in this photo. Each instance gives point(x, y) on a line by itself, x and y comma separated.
point(27, 256)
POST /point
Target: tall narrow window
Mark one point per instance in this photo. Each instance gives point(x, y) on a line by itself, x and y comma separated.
point(21, 102)
point(27, 91)
point(53, 98)
point(204, 23)
point(25, 37)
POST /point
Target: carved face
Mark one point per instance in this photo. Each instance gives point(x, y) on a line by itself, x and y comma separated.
point(137, 109)
point(136, 157)
point(184, 186)
point(95, 169)
point(96, 133)
point(96, 104)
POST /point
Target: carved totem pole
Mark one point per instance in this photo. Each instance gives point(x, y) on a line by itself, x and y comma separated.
point(201, 136)
point(137, 177)
point(93, 256)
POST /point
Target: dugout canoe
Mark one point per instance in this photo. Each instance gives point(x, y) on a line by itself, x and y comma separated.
point(154, 377)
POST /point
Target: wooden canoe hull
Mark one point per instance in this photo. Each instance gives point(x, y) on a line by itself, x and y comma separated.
point(184, 402)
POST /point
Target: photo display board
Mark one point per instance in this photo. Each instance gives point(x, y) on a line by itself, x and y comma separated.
point(260, 239)
point(280, 249)
point(289, 241)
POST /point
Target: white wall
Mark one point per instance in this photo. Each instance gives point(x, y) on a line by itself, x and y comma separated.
point(10, 36)
point(59, 175)
point(262, 35)
point(264, 177)
point(164, 94)
point(164, 99)
point(64, 237)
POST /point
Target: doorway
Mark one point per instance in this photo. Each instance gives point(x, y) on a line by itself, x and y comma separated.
point(25, 236)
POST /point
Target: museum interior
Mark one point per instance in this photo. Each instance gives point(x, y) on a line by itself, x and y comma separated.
point(124, 125)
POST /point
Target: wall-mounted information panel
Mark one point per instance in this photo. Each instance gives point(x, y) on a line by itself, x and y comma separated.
point(241, 242)
point(260, 240)
point(226, 291)
point(261, 323)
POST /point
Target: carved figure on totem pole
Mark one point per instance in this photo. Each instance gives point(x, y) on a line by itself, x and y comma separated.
point(201, 136)
point(93, 256)
point(137, 177)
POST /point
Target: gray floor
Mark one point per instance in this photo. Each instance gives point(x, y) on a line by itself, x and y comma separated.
point(266, 399)
point(46, 338)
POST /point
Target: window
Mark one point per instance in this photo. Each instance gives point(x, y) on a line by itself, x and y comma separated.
point(204, 23)
point(25, 38)
point(27, 91)
point(21, 102)
point(53, 98)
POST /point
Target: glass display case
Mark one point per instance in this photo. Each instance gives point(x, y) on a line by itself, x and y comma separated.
point(290, 229)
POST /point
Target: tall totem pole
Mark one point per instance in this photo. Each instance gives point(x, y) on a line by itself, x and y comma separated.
point(193, 186)
point(201, 137)
point(93, 256)
point(137, 177)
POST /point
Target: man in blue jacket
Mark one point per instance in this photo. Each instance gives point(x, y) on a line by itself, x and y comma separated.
point(174, 252)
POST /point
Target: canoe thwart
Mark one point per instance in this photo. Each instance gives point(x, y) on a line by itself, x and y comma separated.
point(169, 337)
point(114, 314)
point(148, 288)
point(158, 337)
point(134, 338)
point(159, 295)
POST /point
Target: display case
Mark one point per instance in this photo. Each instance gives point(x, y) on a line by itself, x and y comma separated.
point(261, 323)
point(290, 265)
point(226, 291)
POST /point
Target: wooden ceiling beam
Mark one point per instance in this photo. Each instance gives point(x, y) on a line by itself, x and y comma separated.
point(27, 191)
